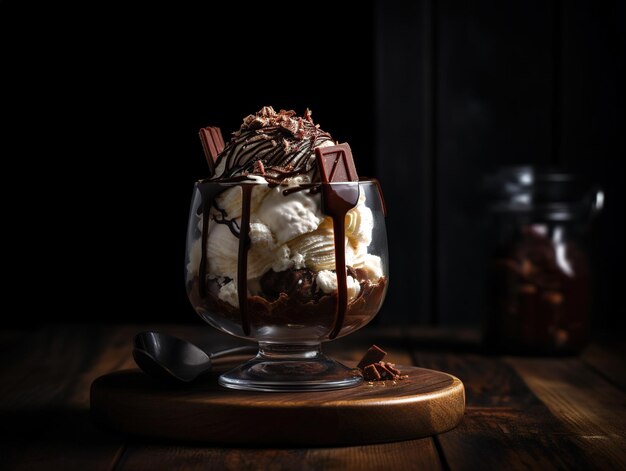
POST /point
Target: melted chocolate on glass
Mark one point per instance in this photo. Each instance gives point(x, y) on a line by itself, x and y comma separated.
point(337, 200)
point(242, 260)
point(208, 194)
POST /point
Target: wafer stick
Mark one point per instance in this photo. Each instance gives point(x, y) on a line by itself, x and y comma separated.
point(212, 144)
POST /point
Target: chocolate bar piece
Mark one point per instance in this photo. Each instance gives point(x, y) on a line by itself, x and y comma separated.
point(212, 144)
point(385, 371)
point(370, 373)
point(392, 368)
point(374, 369)
point(373, 355)
point(336, 164)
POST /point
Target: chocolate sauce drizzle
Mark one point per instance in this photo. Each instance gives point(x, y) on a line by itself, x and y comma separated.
point(205, 234)
point(231, 223)
point(242, 261)
point(208, 192)
point(277, 139)
point(337, 200)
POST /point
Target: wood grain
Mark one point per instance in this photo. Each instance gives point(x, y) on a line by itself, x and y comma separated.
point(590, 407)
point(407, 455)
point(505, 425)
point(426, 403)
point(44, 416)
point(593, 100)
point(410, 454)
point(404, 154)
point(609, 360)
point(522, 413)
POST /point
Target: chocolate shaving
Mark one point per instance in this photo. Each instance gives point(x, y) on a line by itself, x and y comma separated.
point(278, 138)
point(259, 168)
point(336, 164)
point(212, 144)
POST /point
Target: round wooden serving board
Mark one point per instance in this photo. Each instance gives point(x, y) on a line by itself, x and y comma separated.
point(427, 403)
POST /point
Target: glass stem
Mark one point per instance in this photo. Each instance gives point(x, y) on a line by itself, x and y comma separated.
point(280, 351)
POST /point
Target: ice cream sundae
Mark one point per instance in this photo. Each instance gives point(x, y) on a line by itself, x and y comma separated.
point(282, 243)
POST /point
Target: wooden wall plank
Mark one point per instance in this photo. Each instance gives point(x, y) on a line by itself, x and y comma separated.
point(494, 99)
point(593, 126)
point(44, 400)
point(403, 159)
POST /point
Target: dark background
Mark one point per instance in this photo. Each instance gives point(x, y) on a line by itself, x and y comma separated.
point(101, 105)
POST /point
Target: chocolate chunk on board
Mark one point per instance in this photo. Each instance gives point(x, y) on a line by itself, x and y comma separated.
point(212, 144)
point(383, 371)
point(336, 164)
point(370, 373)
point(373, 355)
point(374, 369)
point(392, 368)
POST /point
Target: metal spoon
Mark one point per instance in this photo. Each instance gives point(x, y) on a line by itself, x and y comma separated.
point(168, 358)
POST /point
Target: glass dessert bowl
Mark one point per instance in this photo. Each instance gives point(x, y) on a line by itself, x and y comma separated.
point(262, 262)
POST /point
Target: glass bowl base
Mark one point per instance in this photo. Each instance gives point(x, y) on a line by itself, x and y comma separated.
point(289, 369)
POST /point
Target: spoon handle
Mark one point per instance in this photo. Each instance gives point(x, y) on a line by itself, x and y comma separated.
point(235, 355)
point(243, 350)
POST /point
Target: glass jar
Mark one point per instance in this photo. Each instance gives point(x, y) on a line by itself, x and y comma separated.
point(538, 280)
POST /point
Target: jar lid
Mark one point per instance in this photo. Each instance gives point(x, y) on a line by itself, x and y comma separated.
point(545, 193)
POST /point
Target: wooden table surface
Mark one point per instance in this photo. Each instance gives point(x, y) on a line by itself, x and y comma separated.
point(522, 413)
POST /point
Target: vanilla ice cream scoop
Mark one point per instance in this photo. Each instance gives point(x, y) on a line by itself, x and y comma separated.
point(289, 216)
point(291, 232)
point(229, 201)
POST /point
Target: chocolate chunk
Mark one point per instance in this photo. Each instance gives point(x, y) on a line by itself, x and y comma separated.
point(392, 367)
point(374, 369)
point(373, 355)
point(370, 373)
point(297, 284)
point(384, 371)
point(336, 164)
point(212, 144)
